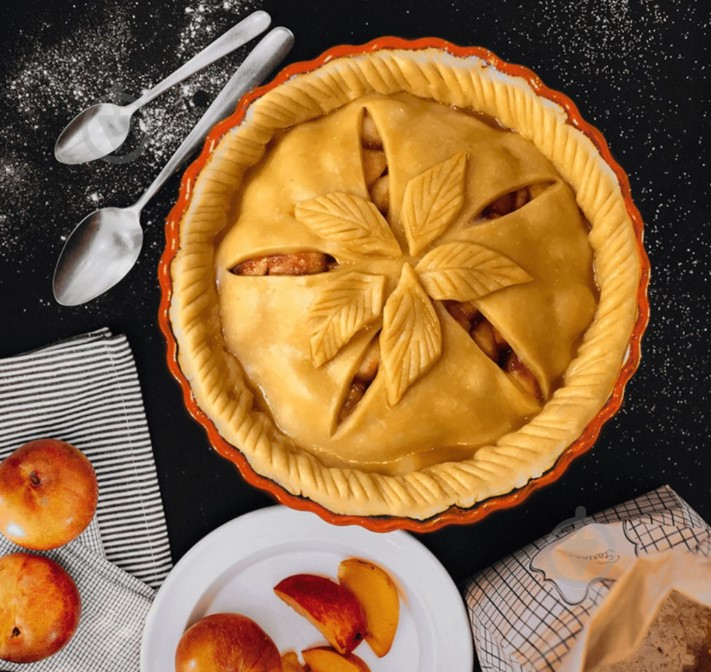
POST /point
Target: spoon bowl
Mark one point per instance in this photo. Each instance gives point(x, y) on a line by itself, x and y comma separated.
point(101, 129)
point(104, 246)
point(93, 133)
point(99, 252)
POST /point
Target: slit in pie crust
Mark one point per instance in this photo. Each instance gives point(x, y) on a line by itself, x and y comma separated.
point(404, 283)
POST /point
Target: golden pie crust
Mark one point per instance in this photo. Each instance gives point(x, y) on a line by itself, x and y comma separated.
point(270, 359)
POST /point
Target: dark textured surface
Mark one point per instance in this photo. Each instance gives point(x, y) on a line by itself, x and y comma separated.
point(639, 71)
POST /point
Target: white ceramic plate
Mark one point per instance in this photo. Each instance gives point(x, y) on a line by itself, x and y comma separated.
point(236, 567)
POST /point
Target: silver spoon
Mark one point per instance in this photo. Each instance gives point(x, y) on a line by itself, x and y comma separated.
point(102, 129)
point(104, 246)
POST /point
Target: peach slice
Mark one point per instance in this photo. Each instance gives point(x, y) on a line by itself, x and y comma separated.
point(370, 137)
point(323, 659)
point(374, 165)
point(378, 594)
point(483, 334)
point(290, 663)
point(380, 193)
point(332, 608)
point(522, 375)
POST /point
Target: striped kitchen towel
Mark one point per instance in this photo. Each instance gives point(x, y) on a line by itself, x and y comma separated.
point(85, 391)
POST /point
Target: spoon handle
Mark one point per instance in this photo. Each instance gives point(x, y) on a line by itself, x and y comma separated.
point(268, 53)
point(235, 37)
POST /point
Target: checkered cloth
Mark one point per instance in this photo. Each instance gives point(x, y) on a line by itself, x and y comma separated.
point(85, 391)
point(520, 621)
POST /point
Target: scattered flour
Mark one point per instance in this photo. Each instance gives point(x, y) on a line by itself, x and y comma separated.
point(101, 57)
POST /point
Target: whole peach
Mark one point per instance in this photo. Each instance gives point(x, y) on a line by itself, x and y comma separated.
point(48, 494)
point(39, 608)
point(226, 643)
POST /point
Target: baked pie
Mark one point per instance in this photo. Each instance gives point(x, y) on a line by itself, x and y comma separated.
point(403, 283)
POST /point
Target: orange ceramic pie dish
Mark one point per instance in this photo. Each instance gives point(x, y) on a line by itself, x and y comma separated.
point(404, 285)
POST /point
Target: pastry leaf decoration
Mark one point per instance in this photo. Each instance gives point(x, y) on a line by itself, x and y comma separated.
point(432, 200)
point(411, 339)
point(350, 221)
point(463, 271)
point(349, 302)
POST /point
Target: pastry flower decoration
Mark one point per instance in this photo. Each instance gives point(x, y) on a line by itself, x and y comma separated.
point(411, 335)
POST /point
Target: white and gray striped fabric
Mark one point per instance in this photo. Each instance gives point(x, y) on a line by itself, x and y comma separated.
point(85, 391)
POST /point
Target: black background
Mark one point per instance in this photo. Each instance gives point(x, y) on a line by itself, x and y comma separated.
point(639, 71)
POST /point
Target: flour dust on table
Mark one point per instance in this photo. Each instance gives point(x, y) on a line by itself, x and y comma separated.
point(102, 56)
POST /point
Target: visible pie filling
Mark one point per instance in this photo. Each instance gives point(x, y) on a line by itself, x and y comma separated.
point(362, 380)
point(513, 200)
point(493, 345)
point(293, 263)
point(375, 226)
point(375, 164)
